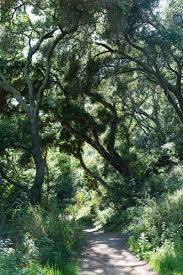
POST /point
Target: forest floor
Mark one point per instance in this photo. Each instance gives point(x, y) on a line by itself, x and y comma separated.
point(108, 254)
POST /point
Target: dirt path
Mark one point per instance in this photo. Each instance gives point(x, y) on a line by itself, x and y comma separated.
point(107, 254)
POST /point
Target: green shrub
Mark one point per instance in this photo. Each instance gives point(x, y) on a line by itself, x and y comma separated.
point(168, 259)
point(157, 231)
point(46, 244)
point(8, 265)
point(117, 221)
point(103, 216)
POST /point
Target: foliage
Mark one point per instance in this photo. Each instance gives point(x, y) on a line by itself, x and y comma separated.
point(157, 233)
point(45, 241)
point(91, 126)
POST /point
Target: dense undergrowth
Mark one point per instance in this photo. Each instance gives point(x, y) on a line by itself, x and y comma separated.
point(156, 225)
point(39, 241)
point(157, 233)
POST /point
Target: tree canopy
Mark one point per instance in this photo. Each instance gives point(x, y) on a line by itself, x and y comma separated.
point(106, 74)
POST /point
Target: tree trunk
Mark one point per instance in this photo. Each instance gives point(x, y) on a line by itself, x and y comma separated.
point(115, 160)
point(36, 190)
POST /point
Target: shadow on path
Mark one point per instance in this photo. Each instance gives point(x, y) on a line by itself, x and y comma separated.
point(108, 254)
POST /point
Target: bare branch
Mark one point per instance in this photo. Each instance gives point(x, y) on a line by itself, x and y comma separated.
point(106, 46)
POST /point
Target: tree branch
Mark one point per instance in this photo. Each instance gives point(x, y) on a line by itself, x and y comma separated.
point(48, 68)
point(32, 51)
point(90, 173)
point(10, 181)
point(4, 84)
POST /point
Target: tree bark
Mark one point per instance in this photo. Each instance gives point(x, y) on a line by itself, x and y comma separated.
point(39, 161)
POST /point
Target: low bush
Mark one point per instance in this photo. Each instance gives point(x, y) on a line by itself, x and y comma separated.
point(157, 233)
point(168, 259)
point(42, 242)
